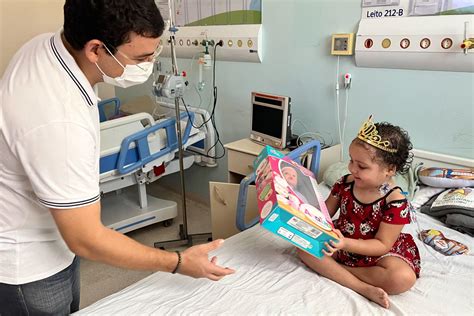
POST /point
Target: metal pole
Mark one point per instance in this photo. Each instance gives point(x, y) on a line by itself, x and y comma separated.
point(185, 238)
point(180, 143)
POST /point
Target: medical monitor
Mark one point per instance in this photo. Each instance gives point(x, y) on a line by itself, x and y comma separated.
point(271, 119)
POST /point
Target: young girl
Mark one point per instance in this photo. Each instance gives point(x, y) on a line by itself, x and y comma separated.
point(372, 257)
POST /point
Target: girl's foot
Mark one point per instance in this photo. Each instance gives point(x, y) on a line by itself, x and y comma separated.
point(377, 295)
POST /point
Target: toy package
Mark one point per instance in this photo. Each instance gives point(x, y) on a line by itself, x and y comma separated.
point(289, 203)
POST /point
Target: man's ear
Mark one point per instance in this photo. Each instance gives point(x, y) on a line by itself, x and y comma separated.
point(92, 50)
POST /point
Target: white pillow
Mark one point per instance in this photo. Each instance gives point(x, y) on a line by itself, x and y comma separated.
point(334, 172)
point(446, 177)
point(423, 195)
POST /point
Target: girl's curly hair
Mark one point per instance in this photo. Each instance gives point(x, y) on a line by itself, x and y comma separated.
point(398, 139)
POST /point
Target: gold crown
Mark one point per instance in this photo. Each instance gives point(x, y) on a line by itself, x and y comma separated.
point(369, 134)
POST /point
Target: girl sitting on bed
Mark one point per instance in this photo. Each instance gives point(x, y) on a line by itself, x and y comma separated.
point(372, 257)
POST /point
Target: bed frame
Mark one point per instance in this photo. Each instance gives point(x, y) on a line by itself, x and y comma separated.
point(271, 280)
point(431, 159)
point(428, 158)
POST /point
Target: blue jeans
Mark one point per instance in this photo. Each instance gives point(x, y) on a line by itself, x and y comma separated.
point(55, 295)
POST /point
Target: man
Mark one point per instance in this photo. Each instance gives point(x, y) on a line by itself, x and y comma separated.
point(49, 165)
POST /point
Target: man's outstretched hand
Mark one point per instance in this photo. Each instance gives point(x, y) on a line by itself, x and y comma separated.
point(195, 262)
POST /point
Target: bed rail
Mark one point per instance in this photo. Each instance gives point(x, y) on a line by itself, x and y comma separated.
point(142, 146)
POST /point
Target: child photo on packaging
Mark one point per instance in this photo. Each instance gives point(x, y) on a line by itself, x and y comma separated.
point(299, 183)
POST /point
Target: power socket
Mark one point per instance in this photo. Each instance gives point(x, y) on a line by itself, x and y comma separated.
point(347, 81)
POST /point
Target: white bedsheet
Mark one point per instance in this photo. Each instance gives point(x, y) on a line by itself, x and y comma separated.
point(271, 280)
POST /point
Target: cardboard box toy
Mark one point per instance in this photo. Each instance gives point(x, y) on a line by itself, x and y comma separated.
point(290, 204)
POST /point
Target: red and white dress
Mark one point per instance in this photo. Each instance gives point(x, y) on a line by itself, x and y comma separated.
point(361, 221)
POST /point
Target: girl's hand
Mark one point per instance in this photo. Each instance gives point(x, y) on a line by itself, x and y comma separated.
point(333, 245)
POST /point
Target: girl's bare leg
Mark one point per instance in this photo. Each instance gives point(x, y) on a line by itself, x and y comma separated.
point(392, 274)
point(330, 269)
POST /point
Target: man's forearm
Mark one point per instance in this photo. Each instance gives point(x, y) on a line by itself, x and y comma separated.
point(116, 249)
point(86, 236)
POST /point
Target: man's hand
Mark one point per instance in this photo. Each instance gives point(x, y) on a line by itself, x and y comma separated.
point(334, 246)
point(196, 263)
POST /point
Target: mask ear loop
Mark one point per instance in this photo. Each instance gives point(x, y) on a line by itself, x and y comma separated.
point(102, 72)
point(114, 56)
point(157, 53)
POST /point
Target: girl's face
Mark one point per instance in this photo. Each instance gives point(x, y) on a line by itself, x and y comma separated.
point(368, 173)
point(290, 176)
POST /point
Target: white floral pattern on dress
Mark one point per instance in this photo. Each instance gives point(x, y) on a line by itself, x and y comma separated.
point(343, 206)
point(364, 228)
point(404, 212)
point(358, 209)
point(349, 228)
point(376, 209)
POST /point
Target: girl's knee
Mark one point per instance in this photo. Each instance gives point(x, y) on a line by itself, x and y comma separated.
point(311, 261)
point(304, 256)
point(399, 281)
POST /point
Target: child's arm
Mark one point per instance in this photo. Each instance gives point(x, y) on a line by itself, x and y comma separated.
point(387, 234)
point(380, 245)
point(332, 203)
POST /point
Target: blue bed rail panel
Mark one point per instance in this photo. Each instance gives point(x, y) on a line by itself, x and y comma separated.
point(130, 159)
point(102, 104)
point(109, 163)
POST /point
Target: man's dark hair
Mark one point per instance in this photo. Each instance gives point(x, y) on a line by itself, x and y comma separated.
point(110, 21)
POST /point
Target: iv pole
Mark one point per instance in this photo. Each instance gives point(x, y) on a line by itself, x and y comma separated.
point(185, 238)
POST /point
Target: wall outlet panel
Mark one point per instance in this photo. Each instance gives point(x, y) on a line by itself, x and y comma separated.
point(422, 43)
point(241, 42)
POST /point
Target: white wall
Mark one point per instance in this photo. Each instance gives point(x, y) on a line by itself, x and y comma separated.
point(20, 20)
point(435, 107)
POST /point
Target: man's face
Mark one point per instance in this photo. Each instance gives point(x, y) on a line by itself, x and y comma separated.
point(138, 50)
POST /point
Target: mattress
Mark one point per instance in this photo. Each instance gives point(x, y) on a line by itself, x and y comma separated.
point(112, 137)
point(270, 279)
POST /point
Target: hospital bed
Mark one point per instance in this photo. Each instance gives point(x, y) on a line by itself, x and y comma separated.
point(137, 150)
point(270, 279)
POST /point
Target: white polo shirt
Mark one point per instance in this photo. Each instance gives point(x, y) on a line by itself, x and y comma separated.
point(49, 156)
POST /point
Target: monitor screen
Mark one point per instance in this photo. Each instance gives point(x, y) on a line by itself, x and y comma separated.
point(267, 120)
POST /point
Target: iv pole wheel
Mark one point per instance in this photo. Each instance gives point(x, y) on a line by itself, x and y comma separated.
point(168, 222)
point(182, 233)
